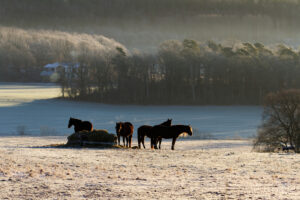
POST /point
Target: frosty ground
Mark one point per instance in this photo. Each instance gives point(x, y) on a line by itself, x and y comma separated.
point(220, 169)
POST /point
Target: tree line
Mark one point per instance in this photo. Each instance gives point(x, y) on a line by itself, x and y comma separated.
point(186, 72)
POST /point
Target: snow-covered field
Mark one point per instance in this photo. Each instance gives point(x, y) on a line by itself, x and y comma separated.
point(222, 169)
point(29, 107)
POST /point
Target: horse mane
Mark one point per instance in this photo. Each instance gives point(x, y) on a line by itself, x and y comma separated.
point(168, 122)
point(74, 119)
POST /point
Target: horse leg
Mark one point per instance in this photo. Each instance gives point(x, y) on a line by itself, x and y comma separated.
point(130, 140)
point(139, 141)
point(173, 143)
point(159, 141)
point(152, 143)
point(124, 141)
point(143, 142)
point(127, 142)
point(155, 143)
point(119, 140)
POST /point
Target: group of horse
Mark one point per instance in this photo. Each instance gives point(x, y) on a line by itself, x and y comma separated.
point(125, 129)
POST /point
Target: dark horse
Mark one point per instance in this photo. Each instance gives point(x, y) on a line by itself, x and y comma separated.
point(124, 129)
point(80, 125)
point(145, 131)
point(158, 132)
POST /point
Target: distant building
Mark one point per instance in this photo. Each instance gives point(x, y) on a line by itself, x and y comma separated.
point(53, 71)
point(156, 72)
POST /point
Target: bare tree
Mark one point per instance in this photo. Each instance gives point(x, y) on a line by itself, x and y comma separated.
point(281, 120)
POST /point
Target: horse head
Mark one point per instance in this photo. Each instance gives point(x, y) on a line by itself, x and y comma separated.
point(190, 130)
point(118, 127)
point(169, 122)
point(71, 122)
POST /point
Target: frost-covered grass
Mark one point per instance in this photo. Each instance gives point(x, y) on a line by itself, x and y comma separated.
point(222, 169)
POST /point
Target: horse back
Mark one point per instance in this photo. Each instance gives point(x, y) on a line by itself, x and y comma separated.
point(144, 130)
point(167, 131)
point(86, 125)
point(160, 131)
point(128, 129)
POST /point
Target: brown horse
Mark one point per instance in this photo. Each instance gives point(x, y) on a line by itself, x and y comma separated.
point(124, 129)
point(158, 132)
point(80, 125)
point(145, 131)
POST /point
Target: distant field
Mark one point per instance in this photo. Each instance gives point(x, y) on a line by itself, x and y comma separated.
point(13, 94)
point(28, 109)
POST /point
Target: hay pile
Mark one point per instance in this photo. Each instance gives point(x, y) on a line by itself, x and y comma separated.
point(96, 138)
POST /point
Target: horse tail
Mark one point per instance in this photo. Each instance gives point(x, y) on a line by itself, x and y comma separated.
point(130, 127)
